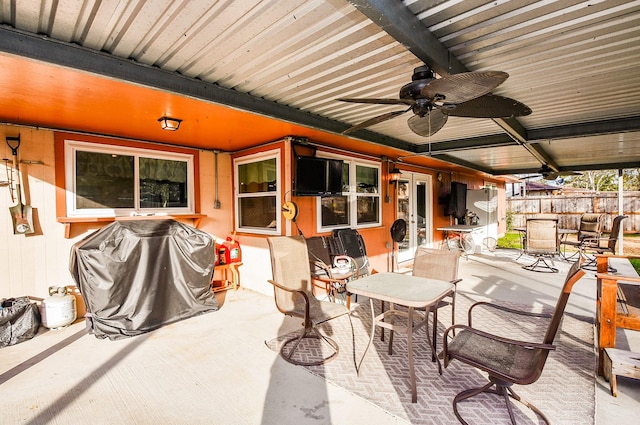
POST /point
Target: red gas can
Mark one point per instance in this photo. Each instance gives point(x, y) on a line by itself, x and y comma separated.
point(227, 251)
point(232, 251)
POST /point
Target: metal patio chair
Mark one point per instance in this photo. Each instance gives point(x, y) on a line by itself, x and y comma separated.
point(542, 242)
point(330, 272)
point(601, 245)
point(294, 297)
point(443, 265)
point(506, 361)
point(590, 228)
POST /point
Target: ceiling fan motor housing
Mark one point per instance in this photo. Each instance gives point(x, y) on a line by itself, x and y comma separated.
point(423, 73)
point(412, 90)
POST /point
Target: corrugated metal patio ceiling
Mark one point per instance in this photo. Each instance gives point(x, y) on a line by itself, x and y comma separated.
point(573, 62)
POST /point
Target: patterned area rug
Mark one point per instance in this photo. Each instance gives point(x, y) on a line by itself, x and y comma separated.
point(565, 392)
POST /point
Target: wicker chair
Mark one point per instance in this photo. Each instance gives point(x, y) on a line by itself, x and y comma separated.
point(294, 297)
point(506, 361)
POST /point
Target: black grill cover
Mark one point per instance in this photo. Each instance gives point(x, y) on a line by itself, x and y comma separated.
point(19, 320)
point(138, 275)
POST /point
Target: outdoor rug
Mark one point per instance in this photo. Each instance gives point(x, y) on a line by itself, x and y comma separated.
point(565, 392)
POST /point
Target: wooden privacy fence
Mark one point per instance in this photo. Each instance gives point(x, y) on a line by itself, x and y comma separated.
point(570, 207)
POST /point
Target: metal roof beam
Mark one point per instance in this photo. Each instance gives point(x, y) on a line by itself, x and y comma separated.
point(466, 144)
point(595, 128)
point(457, 161)
point(400, 23)
point(587, 167)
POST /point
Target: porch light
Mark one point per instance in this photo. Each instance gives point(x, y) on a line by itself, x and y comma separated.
point(170, 124)
point(394, 175)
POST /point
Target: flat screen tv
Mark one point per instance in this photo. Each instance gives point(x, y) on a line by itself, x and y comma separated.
point(317, 176)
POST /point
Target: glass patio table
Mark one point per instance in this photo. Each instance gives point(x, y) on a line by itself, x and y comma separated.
point(411, 292)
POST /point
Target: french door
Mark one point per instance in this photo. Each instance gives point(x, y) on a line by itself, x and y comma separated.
point(414, 201)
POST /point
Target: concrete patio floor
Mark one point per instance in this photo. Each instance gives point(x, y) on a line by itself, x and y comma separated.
point(219, 372)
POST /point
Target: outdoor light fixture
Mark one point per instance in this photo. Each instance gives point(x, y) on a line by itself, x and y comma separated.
point(170, 124)
point(394, 175)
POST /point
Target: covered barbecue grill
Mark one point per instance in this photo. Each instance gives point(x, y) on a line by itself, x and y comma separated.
point(138, 275)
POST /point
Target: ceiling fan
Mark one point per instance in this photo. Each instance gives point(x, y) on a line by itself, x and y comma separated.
point(548, 173)
point(432, 100)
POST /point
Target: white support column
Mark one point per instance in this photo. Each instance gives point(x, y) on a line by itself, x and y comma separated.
point(621, 211)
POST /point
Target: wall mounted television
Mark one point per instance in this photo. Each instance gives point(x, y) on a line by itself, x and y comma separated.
point(317, 176)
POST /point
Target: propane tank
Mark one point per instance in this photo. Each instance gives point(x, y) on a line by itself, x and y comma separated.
point(59, 310)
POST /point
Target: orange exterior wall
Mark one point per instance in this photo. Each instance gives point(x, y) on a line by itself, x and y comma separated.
point(32, 263)
point(377, 239)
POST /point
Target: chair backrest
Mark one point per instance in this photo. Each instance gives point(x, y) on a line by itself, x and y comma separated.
point(615, 232)
point(349, 242)
point(436, 263)
point(319, 248)
point(290, 268)
point(573, 275)
point(590, 226)
point(542, 236)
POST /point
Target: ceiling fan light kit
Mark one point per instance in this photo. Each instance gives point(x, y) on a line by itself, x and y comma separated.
point(432, 100)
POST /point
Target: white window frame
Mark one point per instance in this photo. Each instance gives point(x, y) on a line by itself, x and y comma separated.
point(72, 146)
point(352, 195)
point(262, 156)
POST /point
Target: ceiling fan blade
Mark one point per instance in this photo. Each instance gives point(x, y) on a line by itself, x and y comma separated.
point(378, 101)
point(555, 175)
point(530, 176)
point(488, 106)
point(429, 124)
point(458, 88)
point(375, 120)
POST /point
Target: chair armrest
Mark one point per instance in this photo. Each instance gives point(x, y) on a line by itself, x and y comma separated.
point(607, 276)
point(497, 338)
point(505, 309)
point(294, 291)
point(593, 242)
point(322, 266)
point(284, 288)
point(571, 243)
point(463, 328)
